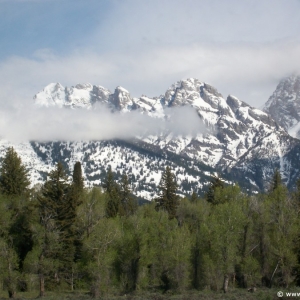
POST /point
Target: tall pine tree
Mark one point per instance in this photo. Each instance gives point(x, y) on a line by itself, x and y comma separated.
point(75, 198)
point(113, 195)
point(13, 175)
point(276, 181)
point(78, 183)
point(128, 204)
point(216, 183)
point(57, 202)
point(14, 185)
point(168, 200)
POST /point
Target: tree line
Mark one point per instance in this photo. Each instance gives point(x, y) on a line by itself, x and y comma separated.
point(60, 235)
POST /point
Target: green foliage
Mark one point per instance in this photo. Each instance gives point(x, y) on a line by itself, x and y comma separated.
point(58, 203)
point(91, 210)
point(216, 184)
point(283, 226)
point(128, 255)
point(100, 255)
point(164, 251)
point(69, 236)
point(8, 267)
point(276, 181)
point(128, 204)
point(113, 195)
point(167, 200)
point(194, 197)
point(77, 177)
point(15, 229)
point(120, 200)
point(54, 195)
point(13, 175)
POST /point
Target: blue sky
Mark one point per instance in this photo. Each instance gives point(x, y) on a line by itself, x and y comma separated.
point(241, 47)
point(26, 26)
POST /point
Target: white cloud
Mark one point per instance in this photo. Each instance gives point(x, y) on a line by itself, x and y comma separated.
point(240, 47)
point(48, 124)
point(250, 71)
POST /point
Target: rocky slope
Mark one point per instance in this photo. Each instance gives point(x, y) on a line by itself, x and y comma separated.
point(284, 105)
point(240, 142)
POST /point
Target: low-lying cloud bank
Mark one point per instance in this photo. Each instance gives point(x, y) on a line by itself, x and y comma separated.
point(51, 124)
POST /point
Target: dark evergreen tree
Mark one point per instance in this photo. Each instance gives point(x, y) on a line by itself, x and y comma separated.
point(276, 180)
point(128, 204)
point(13, 175)
point(216, 183)
point(194, 197)
point(296, 196)
point(297, 246)
point(75, 199)
point(14, 183)
point(57, 202)
point(113, 195)
point(168, 200)
point(78, 182)
point(54, 195)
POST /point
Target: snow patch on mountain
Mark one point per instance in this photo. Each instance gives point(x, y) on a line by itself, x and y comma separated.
point(242, 143)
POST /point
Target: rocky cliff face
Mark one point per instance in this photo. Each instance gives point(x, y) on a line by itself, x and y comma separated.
point(284, 105)
point(240, 142)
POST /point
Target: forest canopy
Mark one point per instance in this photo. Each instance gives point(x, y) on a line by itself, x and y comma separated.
point(64, 236)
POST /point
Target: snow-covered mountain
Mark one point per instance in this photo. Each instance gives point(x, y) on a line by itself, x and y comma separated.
point(241, 143)
point(284, 105)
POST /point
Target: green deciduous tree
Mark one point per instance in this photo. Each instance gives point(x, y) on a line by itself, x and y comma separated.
point(165, 251)
point(283, 232)
point(128, 255)
point(100, 254)
point(8, 267)
point(92, 209)
point(224, 234)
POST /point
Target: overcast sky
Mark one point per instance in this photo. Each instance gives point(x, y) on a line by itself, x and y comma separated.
point(242, 48)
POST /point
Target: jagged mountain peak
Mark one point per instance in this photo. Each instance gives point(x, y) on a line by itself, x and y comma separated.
point(284, 104)
point(78, 96)
point(235, 103)
point(240, 141)
point(51, 95)
point(121, 99)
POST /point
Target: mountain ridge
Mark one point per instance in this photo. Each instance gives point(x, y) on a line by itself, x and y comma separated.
point(241, 142)
point(284, 104)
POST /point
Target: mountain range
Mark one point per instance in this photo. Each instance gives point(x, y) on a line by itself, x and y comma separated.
point(240, 143)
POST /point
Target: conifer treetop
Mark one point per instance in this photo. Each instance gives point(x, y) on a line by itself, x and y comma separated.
point(13, 175)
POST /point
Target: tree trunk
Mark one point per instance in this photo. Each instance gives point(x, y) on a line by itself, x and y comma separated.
point(10, 283)
point(95, 290)
point(225, 283)
point(11, 294)
point(42, 285)
point(41, 274)
point(72, 281)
